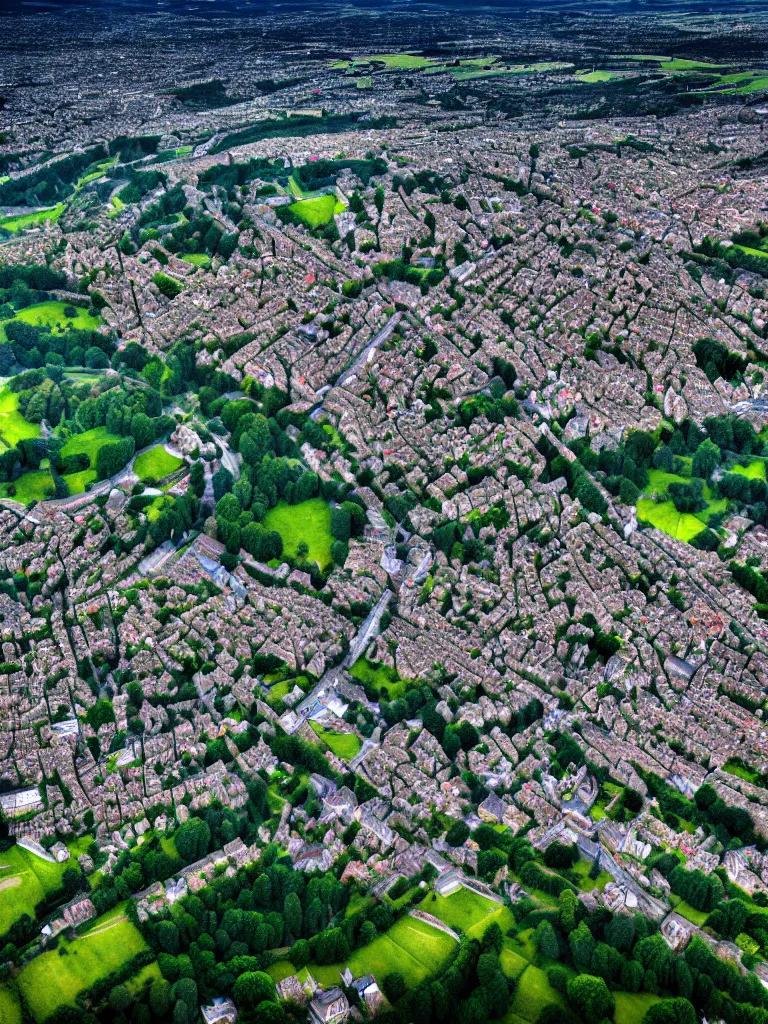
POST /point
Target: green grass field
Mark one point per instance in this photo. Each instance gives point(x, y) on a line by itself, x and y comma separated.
point(13, 426)
point(26, 879)
point(56, 978)
point(10, 1006)
point(317, 212)
point(197, 259)
point(379, 677)
point(31, 220)
point(753, 471)
point(631, 1007)
point(50, 314)
point(410, 947)
point(156, 464)
point(308, 521)
point(663, 514)
point(697, 917)
point(88, 443)
point(469, 912)
point(532, 994)
point(344, 745)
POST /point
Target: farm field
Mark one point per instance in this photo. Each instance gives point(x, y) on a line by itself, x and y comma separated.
point(156, 464)
point(410, 947)
point(344, 745)
point(308, 521)
point(13, 426)
point(54, 979)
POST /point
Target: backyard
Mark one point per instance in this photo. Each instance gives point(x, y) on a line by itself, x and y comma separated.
point(343, 744)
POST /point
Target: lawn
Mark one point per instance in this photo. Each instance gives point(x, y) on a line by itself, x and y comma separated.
point(631, 1007)
point(30, 220)
point(26, 879)
point(753, 471)
point(13, 426)
point(197, 259)
point(56, 978)
point(410, 947)
point(512, 963)
point(697, 917)
point(532, 994)
point(10, 1007)
point(469, 912)
point(88, 443)
point(308, 521)
point(317, 212)
point(156, 464)
point(664, 516)
point(50, 314)
point(343, 744)
point(378, 677)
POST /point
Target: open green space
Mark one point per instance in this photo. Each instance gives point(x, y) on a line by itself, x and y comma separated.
point(197, 259)
point(753, 471)
point(26, 879)
point(56, 978)
point(663, 514)
point(596, 76)
point(309, 521)
point(318, 211)
point(379, 677)
point(469, 912)
point(156, 464)
point(13, 426)
point(51, 314)
point(512, 963)
point(631, 1007)
point(88, 443)
point(532, 994)
point(10, 1006)
point(17, 223)
point(343, 744)
point(410, 947)
point(697, 917)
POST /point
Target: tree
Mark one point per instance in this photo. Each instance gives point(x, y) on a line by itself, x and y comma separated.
point(394, 986)
point(559, 855)
point(120, 998)
point(142, 430)
point(340, 523)
point(167, 935)
point(671, 1011)
point(457, 834)
point(252, 988)
point(292, 914)
point(590, 997)
point(192, 839)
point(100, 713)
point(568, 909)
point(160, 997)
point(545, 939)
point(582, 945)
point(706, 459)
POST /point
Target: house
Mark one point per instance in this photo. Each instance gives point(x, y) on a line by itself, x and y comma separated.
point(492, 809)
point(290, 990)
point(221, 1011)
point(329, 1007)
point(448, 882)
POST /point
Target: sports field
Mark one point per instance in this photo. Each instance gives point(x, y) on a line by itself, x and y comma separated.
point(309, 521)
point(57, 977)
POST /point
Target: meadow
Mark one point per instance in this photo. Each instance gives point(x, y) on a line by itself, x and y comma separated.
point(17, 223)
point(309, 521)
point(57, 977)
